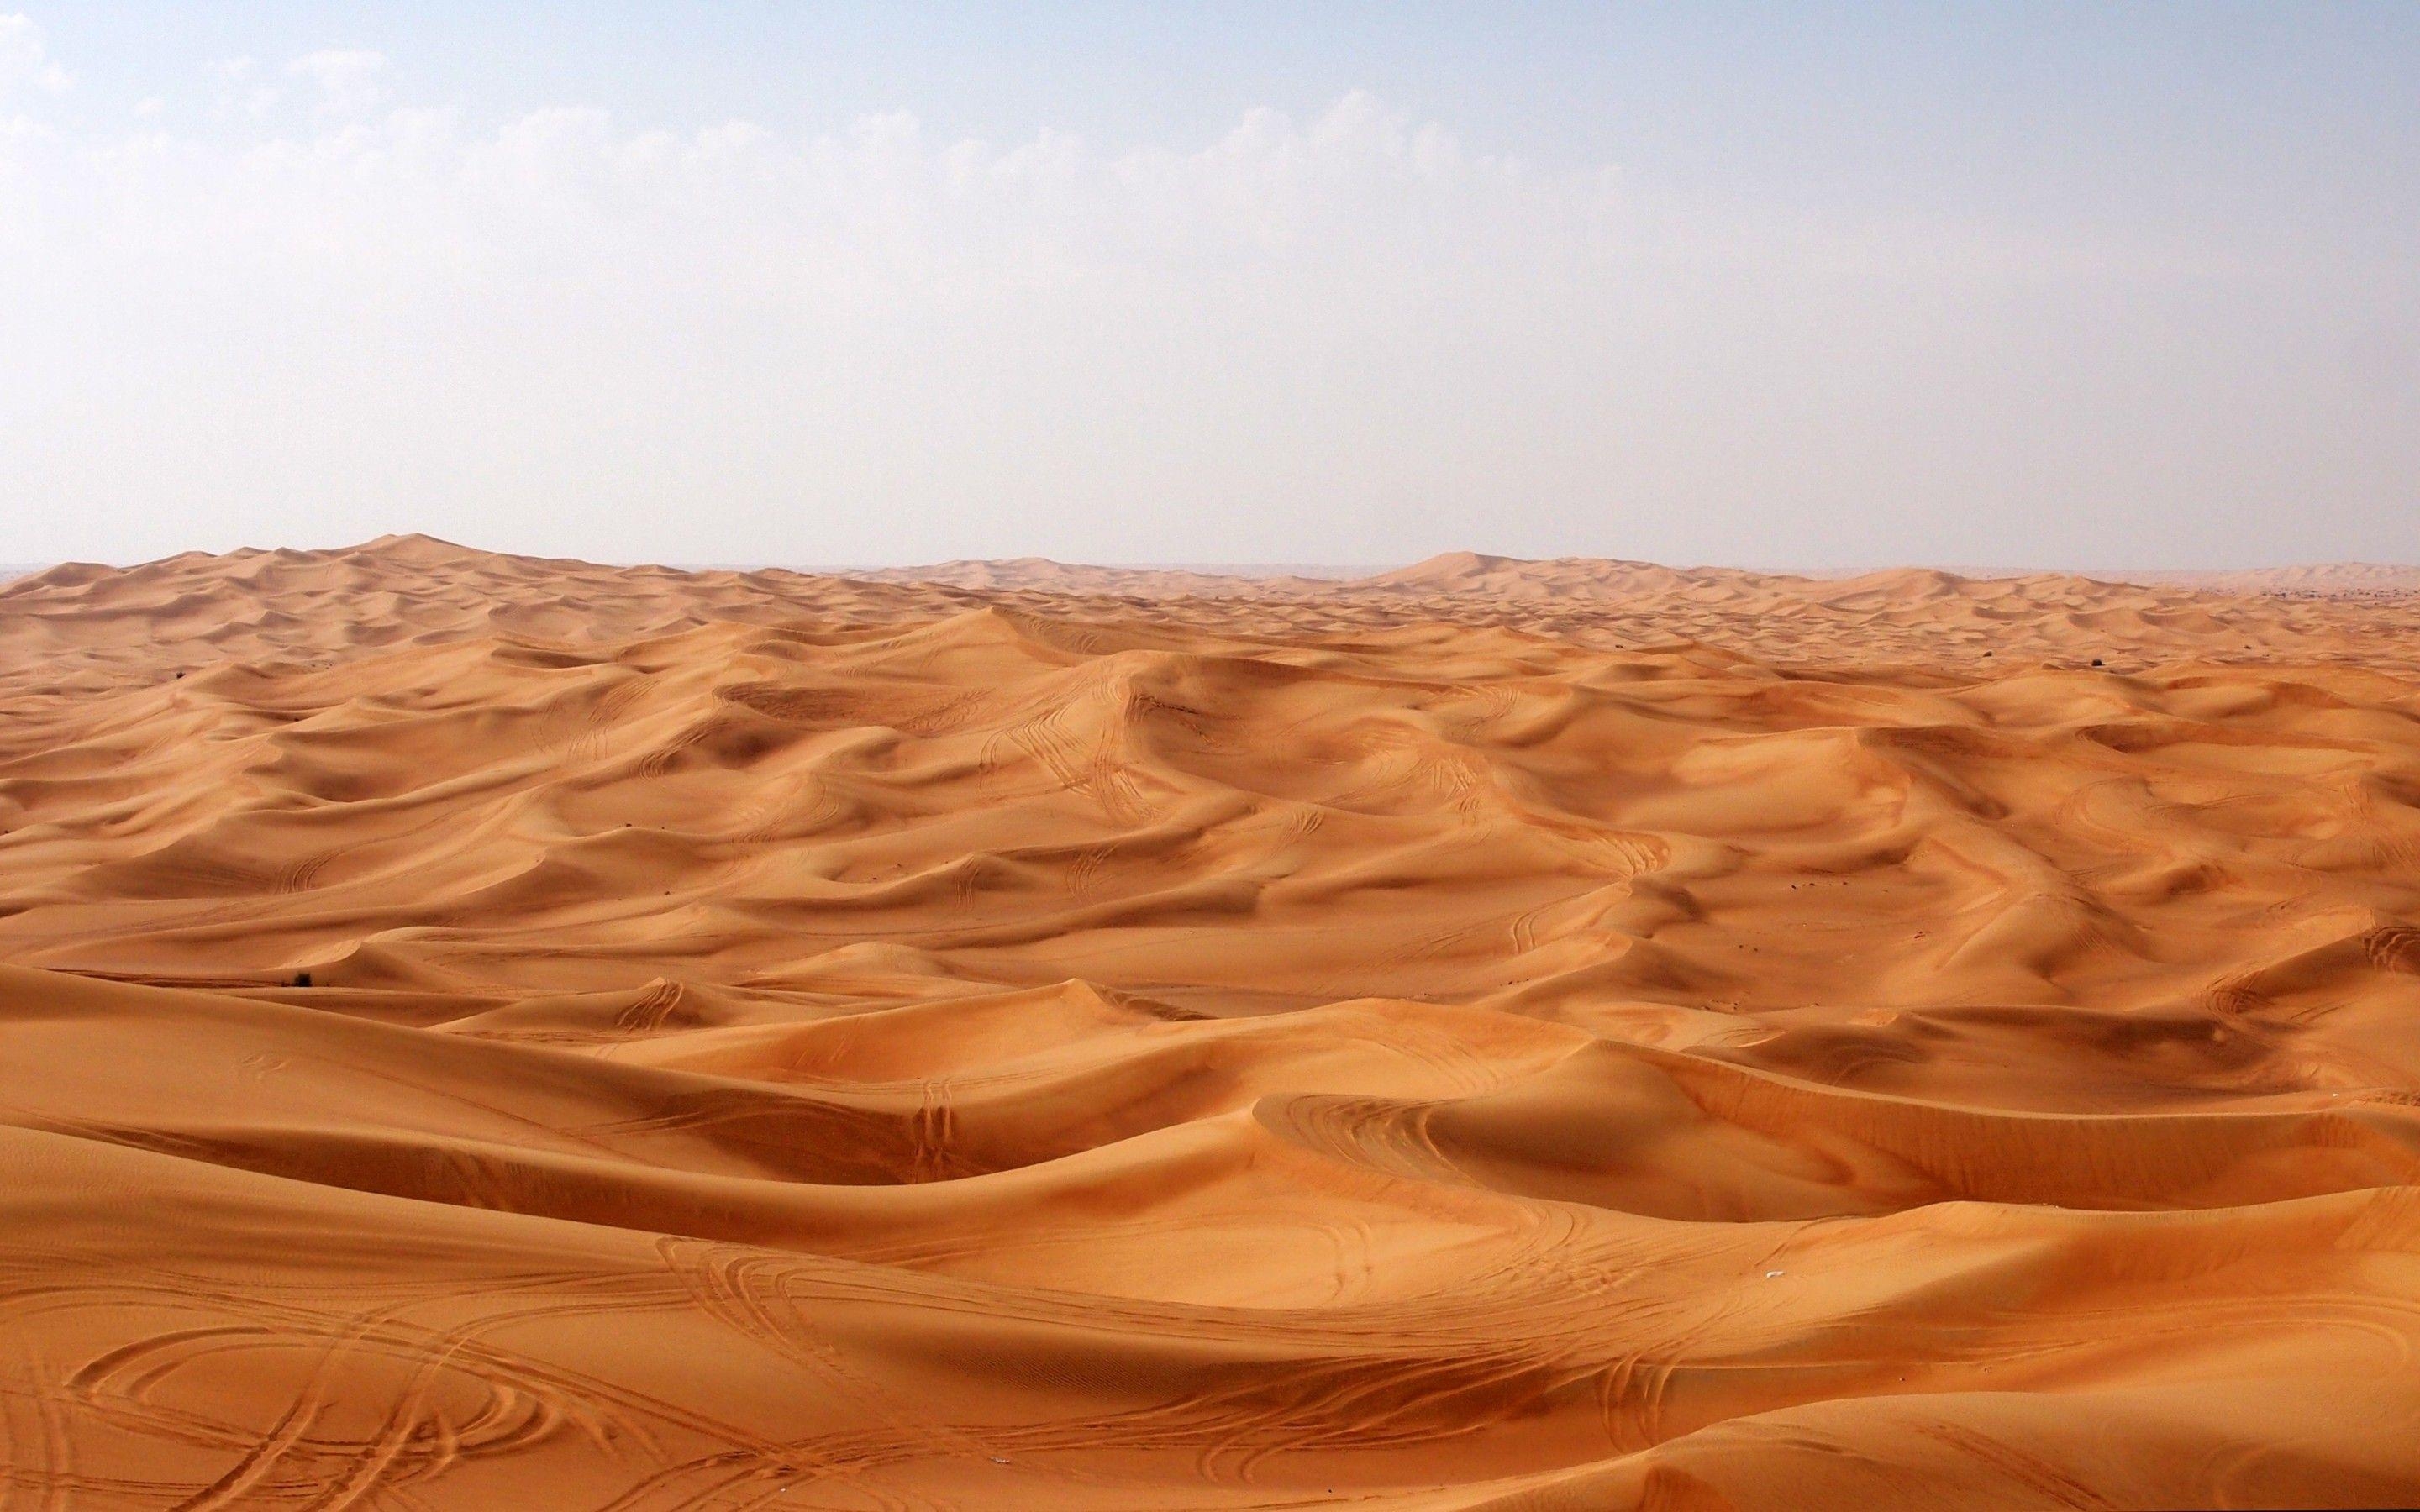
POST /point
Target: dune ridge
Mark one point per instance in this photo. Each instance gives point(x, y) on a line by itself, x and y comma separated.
point(485, 1031)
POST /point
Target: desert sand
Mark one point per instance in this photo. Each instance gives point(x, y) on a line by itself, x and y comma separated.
point(486, 1032)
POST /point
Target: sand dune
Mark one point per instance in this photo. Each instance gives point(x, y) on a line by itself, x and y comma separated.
point(479, 1031)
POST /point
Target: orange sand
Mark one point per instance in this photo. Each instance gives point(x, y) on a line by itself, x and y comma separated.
point(1516, 1036)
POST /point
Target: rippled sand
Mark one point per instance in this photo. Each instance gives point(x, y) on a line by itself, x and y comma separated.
point(481, 1032)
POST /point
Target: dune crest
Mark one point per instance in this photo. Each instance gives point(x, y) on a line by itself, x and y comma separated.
point(481, 1030)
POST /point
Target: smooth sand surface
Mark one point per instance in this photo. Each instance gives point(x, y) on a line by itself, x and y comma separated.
point(1496, 1035)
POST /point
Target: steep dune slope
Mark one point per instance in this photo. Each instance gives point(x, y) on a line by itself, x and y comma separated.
point(478, 1032)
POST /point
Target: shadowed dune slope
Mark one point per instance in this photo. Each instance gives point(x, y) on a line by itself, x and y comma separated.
point(479, 1031)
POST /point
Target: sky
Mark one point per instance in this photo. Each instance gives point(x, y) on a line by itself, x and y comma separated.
point(1816, 285)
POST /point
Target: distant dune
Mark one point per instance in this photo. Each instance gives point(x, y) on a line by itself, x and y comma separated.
point(480, 1032)
point(1041, 573)
point(2330, 578)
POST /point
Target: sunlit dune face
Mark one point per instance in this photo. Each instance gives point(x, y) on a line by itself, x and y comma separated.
point(486, 1032)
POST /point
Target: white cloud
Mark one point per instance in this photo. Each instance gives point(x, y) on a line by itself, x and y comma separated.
point(348, 80)
point(241, 90)
point(26, 63)
point(1348, 335)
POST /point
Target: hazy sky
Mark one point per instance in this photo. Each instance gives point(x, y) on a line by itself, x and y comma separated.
point(751, 282)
